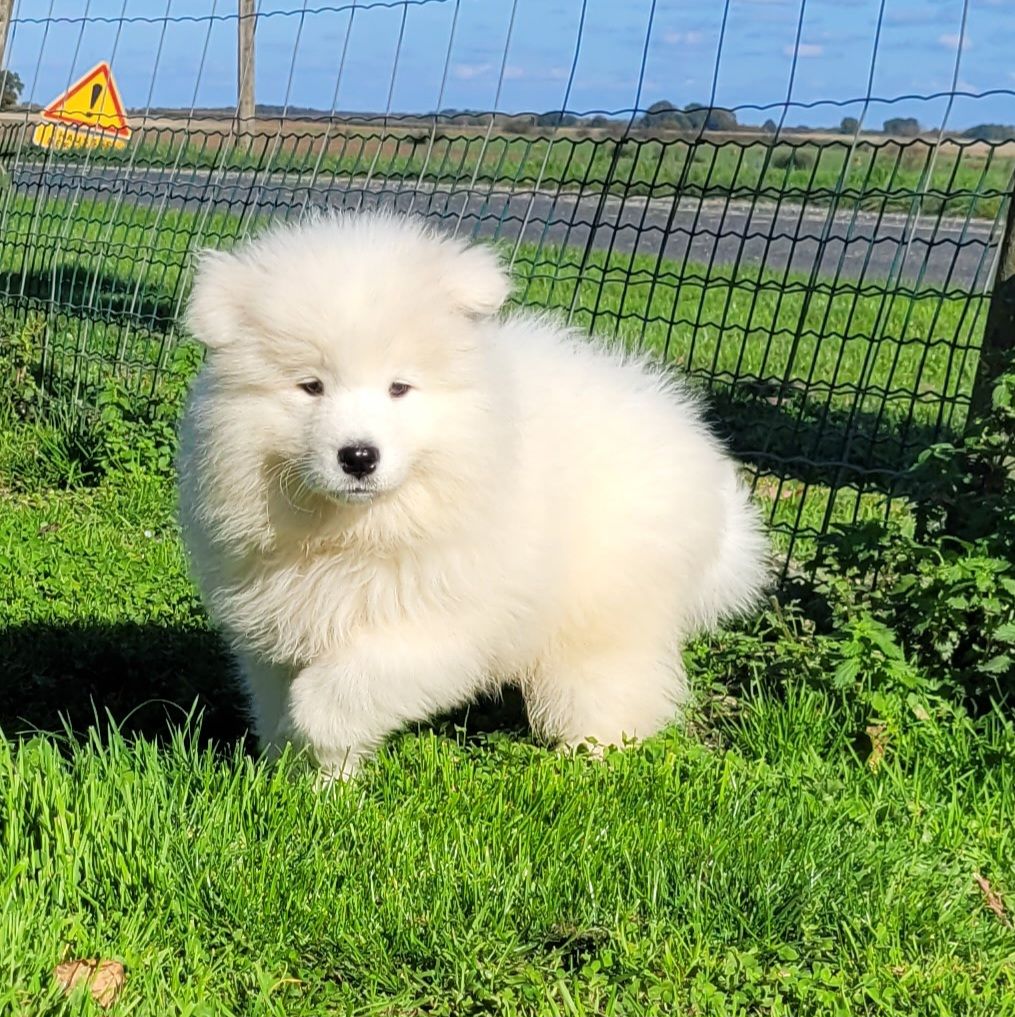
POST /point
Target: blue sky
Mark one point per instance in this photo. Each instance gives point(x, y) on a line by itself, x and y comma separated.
point(159, 60)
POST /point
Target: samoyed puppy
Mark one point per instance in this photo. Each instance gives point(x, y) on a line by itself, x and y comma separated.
point(395, 498)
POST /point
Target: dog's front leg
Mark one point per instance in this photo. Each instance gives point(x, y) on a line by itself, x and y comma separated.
point(332, 712)
point(342, 708)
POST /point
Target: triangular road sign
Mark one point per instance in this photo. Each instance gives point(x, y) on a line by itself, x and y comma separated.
point(92, 102)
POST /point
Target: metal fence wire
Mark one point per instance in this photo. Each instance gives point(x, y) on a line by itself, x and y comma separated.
point(826, 286)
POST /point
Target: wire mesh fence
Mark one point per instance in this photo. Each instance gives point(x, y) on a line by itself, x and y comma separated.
point(827, 286)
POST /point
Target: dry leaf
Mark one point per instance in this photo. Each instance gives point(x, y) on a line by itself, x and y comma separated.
point(991, 898)
point(104, 978)
point(879, 742)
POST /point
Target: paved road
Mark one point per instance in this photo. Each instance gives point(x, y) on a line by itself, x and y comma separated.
point(854, 245)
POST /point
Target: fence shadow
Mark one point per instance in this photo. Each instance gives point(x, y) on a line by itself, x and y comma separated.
point(98, 295)
point(147, 679)
point(819, 444)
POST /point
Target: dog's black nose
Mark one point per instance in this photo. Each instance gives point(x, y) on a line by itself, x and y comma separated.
point(358, 460)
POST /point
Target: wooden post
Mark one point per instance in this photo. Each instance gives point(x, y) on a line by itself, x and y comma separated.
point(6, 7)
point(997, 353)
point(246, 24)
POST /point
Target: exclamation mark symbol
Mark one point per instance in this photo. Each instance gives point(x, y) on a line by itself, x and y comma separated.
point(96, 92)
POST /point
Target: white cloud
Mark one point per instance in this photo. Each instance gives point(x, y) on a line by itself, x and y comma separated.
point(951, 41)
point(682, 38)
point(469, 71)
point(512, 72)
point(805, 49)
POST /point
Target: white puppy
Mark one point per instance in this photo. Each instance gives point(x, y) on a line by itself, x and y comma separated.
point(394, 499)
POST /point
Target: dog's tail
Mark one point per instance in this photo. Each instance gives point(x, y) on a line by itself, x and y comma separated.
point(742, 570)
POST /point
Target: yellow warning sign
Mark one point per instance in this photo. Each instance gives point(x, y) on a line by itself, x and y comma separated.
point(91, 108)
point(56, 136)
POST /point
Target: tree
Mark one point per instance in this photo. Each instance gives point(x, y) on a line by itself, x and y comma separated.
point(902, 127)
point(713, 118)
point(11, 87)
point(662, 106)
point(991, 132)
point(849, 125)
point(556, 118)
point(665, 114)
point(769, 127)
point(721, 120)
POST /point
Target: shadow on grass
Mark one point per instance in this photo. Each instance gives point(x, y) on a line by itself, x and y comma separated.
point(117, 298)
point(792, 437)
point(148, 679)
point(503, 714)
point(145, 679)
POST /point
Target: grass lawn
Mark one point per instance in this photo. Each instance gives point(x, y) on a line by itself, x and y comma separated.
point(766, 862)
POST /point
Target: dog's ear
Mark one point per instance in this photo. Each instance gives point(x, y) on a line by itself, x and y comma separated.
point(475, 280)
point(215, 311)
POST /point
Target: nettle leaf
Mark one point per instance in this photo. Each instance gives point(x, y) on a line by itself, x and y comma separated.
point(997, 665)
point(883, 638)
point(846, 673)
point(1005, 633)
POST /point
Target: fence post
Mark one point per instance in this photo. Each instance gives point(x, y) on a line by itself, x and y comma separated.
point(998, 348)
point(246, 24)
point(6, 7)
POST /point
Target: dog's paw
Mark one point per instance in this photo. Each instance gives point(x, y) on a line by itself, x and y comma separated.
point(336, 771)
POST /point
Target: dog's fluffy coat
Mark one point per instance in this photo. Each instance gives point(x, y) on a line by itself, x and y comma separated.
point(544, 511)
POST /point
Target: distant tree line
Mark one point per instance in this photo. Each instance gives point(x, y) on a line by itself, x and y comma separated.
point(693, 117)
point(664, 115)
point(991, 132)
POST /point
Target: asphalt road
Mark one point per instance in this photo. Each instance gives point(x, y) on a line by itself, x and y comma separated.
point(849, 244)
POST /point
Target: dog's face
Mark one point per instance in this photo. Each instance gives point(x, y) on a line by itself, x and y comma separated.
point(350, 348)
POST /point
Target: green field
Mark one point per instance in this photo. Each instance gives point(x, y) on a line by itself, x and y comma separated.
point(959, 179)
point(767, 861)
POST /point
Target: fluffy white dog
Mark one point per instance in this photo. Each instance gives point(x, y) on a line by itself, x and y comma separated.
point(394, 499)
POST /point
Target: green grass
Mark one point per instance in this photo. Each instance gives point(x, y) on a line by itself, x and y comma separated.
point(961, 180)
point(755, 866)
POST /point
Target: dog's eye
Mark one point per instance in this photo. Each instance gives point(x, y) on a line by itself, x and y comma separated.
point(397, 389)
point(313, 387)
